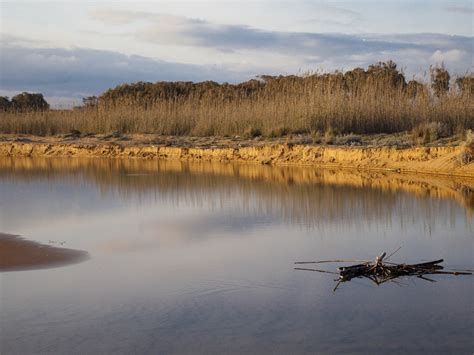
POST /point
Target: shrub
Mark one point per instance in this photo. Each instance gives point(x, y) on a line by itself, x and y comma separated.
point(316, 137)
point(430, 131)
point(29, 102)
point(329, 136)
point(5, 104)
point(466, 155)
point(278, 132)
point(439, 80)
point(252, 132)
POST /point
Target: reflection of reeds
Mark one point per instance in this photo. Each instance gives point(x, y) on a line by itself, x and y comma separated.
point(305, 195)
point(358, 102)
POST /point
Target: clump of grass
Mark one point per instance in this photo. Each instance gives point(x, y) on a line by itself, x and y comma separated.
point(252, 132)
point(429, 132)
point(316, 137)
point(278, 132)
point(466, 155)
point(350, 139)
point(329, 136)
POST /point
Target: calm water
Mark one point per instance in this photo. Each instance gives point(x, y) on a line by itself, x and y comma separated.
point(199, 259)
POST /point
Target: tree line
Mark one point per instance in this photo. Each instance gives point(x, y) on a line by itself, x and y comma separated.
point(379, 78)
point(24, 102)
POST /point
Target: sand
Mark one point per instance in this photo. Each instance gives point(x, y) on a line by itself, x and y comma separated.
point(19, 254)
point(441, 160)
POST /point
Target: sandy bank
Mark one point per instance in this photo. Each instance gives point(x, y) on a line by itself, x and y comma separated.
point(20, 254)
point(441, 160)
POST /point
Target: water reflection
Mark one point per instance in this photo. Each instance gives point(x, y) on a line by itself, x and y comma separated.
point(198, 258)
point(295, 195)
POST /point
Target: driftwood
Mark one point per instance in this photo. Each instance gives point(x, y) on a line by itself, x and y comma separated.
point(381, 270)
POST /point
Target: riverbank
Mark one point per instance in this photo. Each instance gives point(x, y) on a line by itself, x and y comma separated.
point(441, 158)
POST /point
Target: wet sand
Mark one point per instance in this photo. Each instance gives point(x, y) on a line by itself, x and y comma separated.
point(17, 254)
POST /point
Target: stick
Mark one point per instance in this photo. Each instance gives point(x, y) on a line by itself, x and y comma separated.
point(304, 269)
point(388, 257)
point(331, 261)
point(337, 285)
point(428, 263)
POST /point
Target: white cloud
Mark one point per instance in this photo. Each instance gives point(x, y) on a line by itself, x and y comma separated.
point(79, 72)
point(162, 29)
point(239, 52)
point(453, 55)
point(331, 50)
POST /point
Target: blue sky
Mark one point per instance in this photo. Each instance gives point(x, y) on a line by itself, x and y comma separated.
point(70, 49)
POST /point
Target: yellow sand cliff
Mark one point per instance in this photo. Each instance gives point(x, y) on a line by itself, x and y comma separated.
point(430, 160)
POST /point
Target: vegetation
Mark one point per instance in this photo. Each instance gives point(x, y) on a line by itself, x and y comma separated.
point(24, 102)
point(375, 100)
point(467, 153)
point(440, 80)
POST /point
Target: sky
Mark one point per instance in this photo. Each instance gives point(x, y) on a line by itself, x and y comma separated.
point(71, 49)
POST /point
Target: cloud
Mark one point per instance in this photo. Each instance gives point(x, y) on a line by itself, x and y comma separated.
point(332, 50)
point(11, 39)
point(453, 55)
point(245, 51)
point(460, 9)
point(163, 29)
point(166, 29)
point(335, 17)
point(78, 72)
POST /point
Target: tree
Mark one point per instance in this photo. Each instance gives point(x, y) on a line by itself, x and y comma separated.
point(5, 104)
point(29, 102)
point(385, 75)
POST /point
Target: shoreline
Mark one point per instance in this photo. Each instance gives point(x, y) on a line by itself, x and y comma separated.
point(431, 160)
point(19, 254)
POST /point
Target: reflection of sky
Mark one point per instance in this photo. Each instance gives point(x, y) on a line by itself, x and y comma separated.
point(200, 263)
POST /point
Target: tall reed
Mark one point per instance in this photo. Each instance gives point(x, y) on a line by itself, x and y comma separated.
point(373, 101)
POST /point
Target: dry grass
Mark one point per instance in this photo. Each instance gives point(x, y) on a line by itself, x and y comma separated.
point(428, 132)
point(314, 105)
point(467, 154)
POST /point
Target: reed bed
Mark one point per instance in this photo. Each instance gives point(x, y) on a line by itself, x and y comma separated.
point(376, 100)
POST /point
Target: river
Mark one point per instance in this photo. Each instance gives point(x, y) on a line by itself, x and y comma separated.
point(199, 259)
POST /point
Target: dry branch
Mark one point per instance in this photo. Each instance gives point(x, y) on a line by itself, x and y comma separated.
point(380, 271)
